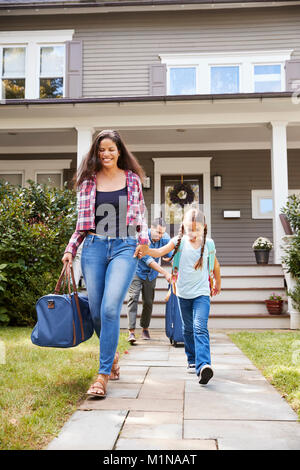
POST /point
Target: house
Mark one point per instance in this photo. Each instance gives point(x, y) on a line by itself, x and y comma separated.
point(204, 92)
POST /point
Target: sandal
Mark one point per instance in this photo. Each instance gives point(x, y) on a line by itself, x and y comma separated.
point(115, 370)
point(99, 386)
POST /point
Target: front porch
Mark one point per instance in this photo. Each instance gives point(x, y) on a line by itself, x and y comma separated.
point(251, 142)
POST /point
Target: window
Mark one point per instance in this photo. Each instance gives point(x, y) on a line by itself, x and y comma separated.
point(235, 72)
point(267, 78)
point(182, 80)
point(12, 178)
point(224, 79)
point(52, 71)
point(33, 63)
point(262, 203)
point(53, 179)
point(13, 72)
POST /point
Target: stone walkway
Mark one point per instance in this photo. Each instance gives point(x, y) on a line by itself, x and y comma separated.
point(157, 405)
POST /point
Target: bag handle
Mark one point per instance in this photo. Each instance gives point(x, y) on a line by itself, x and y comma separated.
point(66, 273)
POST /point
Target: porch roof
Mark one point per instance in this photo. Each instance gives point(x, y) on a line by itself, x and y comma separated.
point(140, 99)
point(79, 4)
point(152, 112)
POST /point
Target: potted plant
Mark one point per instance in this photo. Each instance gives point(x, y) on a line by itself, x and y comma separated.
point(274, 304)
point(262, 247)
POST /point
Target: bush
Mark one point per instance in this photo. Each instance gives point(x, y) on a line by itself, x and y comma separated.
point(292, 258)
point(292, 211)
point(36, 223)
point(295, 296)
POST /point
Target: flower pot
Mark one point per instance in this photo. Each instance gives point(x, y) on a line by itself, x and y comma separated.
point(262, 256)
point(274, 306)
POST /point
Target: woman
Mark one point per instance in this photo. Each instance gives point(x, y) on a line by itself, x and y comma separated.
point(108, 180)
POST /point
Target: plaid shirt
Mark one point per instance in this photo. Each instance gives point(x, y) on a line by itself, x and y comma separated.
point(86, 197)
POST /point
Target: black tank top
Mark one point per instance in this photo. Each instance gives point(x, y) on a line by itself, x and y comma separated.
point(111, 213)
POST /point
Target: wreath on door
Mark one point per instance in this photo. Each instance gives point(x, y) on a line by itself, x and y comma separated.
point(182, 194)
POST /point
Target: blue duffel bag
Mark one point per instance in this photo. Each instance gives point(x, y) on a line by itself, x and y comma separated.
point(63, 320)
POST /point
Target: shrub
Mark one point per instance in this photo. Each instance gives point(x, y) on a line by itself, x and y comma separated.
point(292, 257)
point(36, 223)
point(292, 211)
point(295, 296)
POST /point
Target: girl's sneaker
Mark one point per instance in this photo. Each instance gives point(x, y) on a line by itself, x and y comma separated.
point(191, 369)
point(205, 375)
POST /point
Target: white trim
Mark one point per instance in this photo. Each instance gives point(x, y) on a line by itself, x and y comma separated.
point(30, 167)
point(256, 194)
point(25, 37)
point(32, 41)
point(245, 60)
point(184, 166)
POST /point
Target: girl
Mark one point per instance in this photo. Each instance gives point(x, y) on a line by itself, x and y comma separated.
point(193, 289)
point(108, 178)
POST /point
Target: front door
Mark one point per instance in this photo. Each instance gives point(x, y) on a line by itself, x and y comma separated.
point(172, 216)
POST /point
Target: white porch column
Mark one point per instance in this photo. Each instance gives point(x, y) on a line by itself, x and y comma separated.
point(84, 142)
point(279, 182)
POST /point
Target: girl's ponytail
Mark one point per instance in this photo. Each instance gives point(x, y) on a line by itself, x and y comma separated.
point(199, 263)
point(180, 235)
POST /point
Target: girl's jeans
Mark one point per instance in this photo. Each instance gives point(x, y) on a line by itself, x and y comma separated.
point(194, 314)
point(108, 268)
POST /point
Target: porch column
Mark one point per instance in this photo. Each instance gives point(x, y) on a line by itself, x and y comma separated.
point(84, 142)
point(279, 182)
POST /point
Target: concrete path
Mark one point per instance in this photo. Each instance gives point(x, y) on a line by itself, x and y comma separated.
point(157, 405)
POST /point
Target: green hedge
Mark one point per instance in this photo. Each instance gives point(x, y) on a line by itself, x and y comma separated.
point(292, 257)
point(36, 223)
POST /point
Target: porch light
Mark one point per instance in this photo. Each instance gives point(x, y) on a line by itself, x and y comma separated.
point(217, 181)
point(147, 182)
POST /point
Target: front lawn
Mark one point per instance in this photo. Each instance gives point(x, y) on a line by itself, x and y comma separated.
point(277, 355)
point(41, 387)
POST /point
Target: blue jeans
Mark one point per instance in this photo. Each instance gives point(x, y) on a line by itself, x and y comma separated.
point(194, 314)
point(108, 268)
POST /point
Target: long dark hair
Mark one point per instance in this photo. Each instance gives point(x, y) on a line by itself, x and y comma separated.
point(91, 164)
point(196, 216)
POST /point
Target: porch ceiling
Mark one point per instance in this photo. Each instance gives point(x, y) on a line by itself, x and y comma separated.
point(38, 141)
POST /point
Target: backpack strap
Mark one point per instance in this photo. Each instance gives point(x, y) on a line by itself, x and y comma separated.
point(211, 263)
point(175, 267)
point(211, 254)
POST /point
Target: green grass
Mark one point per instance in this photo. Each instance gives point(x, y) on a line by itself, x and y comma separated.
point(41, 387)
point(277, 355)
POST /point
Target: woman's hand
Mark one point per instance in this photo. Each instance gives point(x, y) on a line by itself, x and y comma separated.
point(217, 288)
point(141, 250)
point(168, 276)
point(67, 258)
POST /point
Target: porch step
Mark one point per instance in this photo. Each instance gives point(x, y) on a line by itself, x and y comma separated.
point(231, 294)
point(270, 281)
point(226, 308)
point(241, 303)
point(230, 322)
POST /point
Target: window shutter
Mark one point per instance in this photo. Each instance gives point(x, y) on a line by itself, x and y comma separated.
point(73, 88)
point(292, 74)
point(158, 79)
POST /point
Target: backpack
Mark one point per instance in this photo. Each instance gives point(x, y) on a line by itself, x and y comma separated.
point(211, 262)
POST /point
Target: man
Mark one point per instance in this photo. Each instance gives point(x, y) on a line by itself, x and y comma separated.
point(145, 281)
